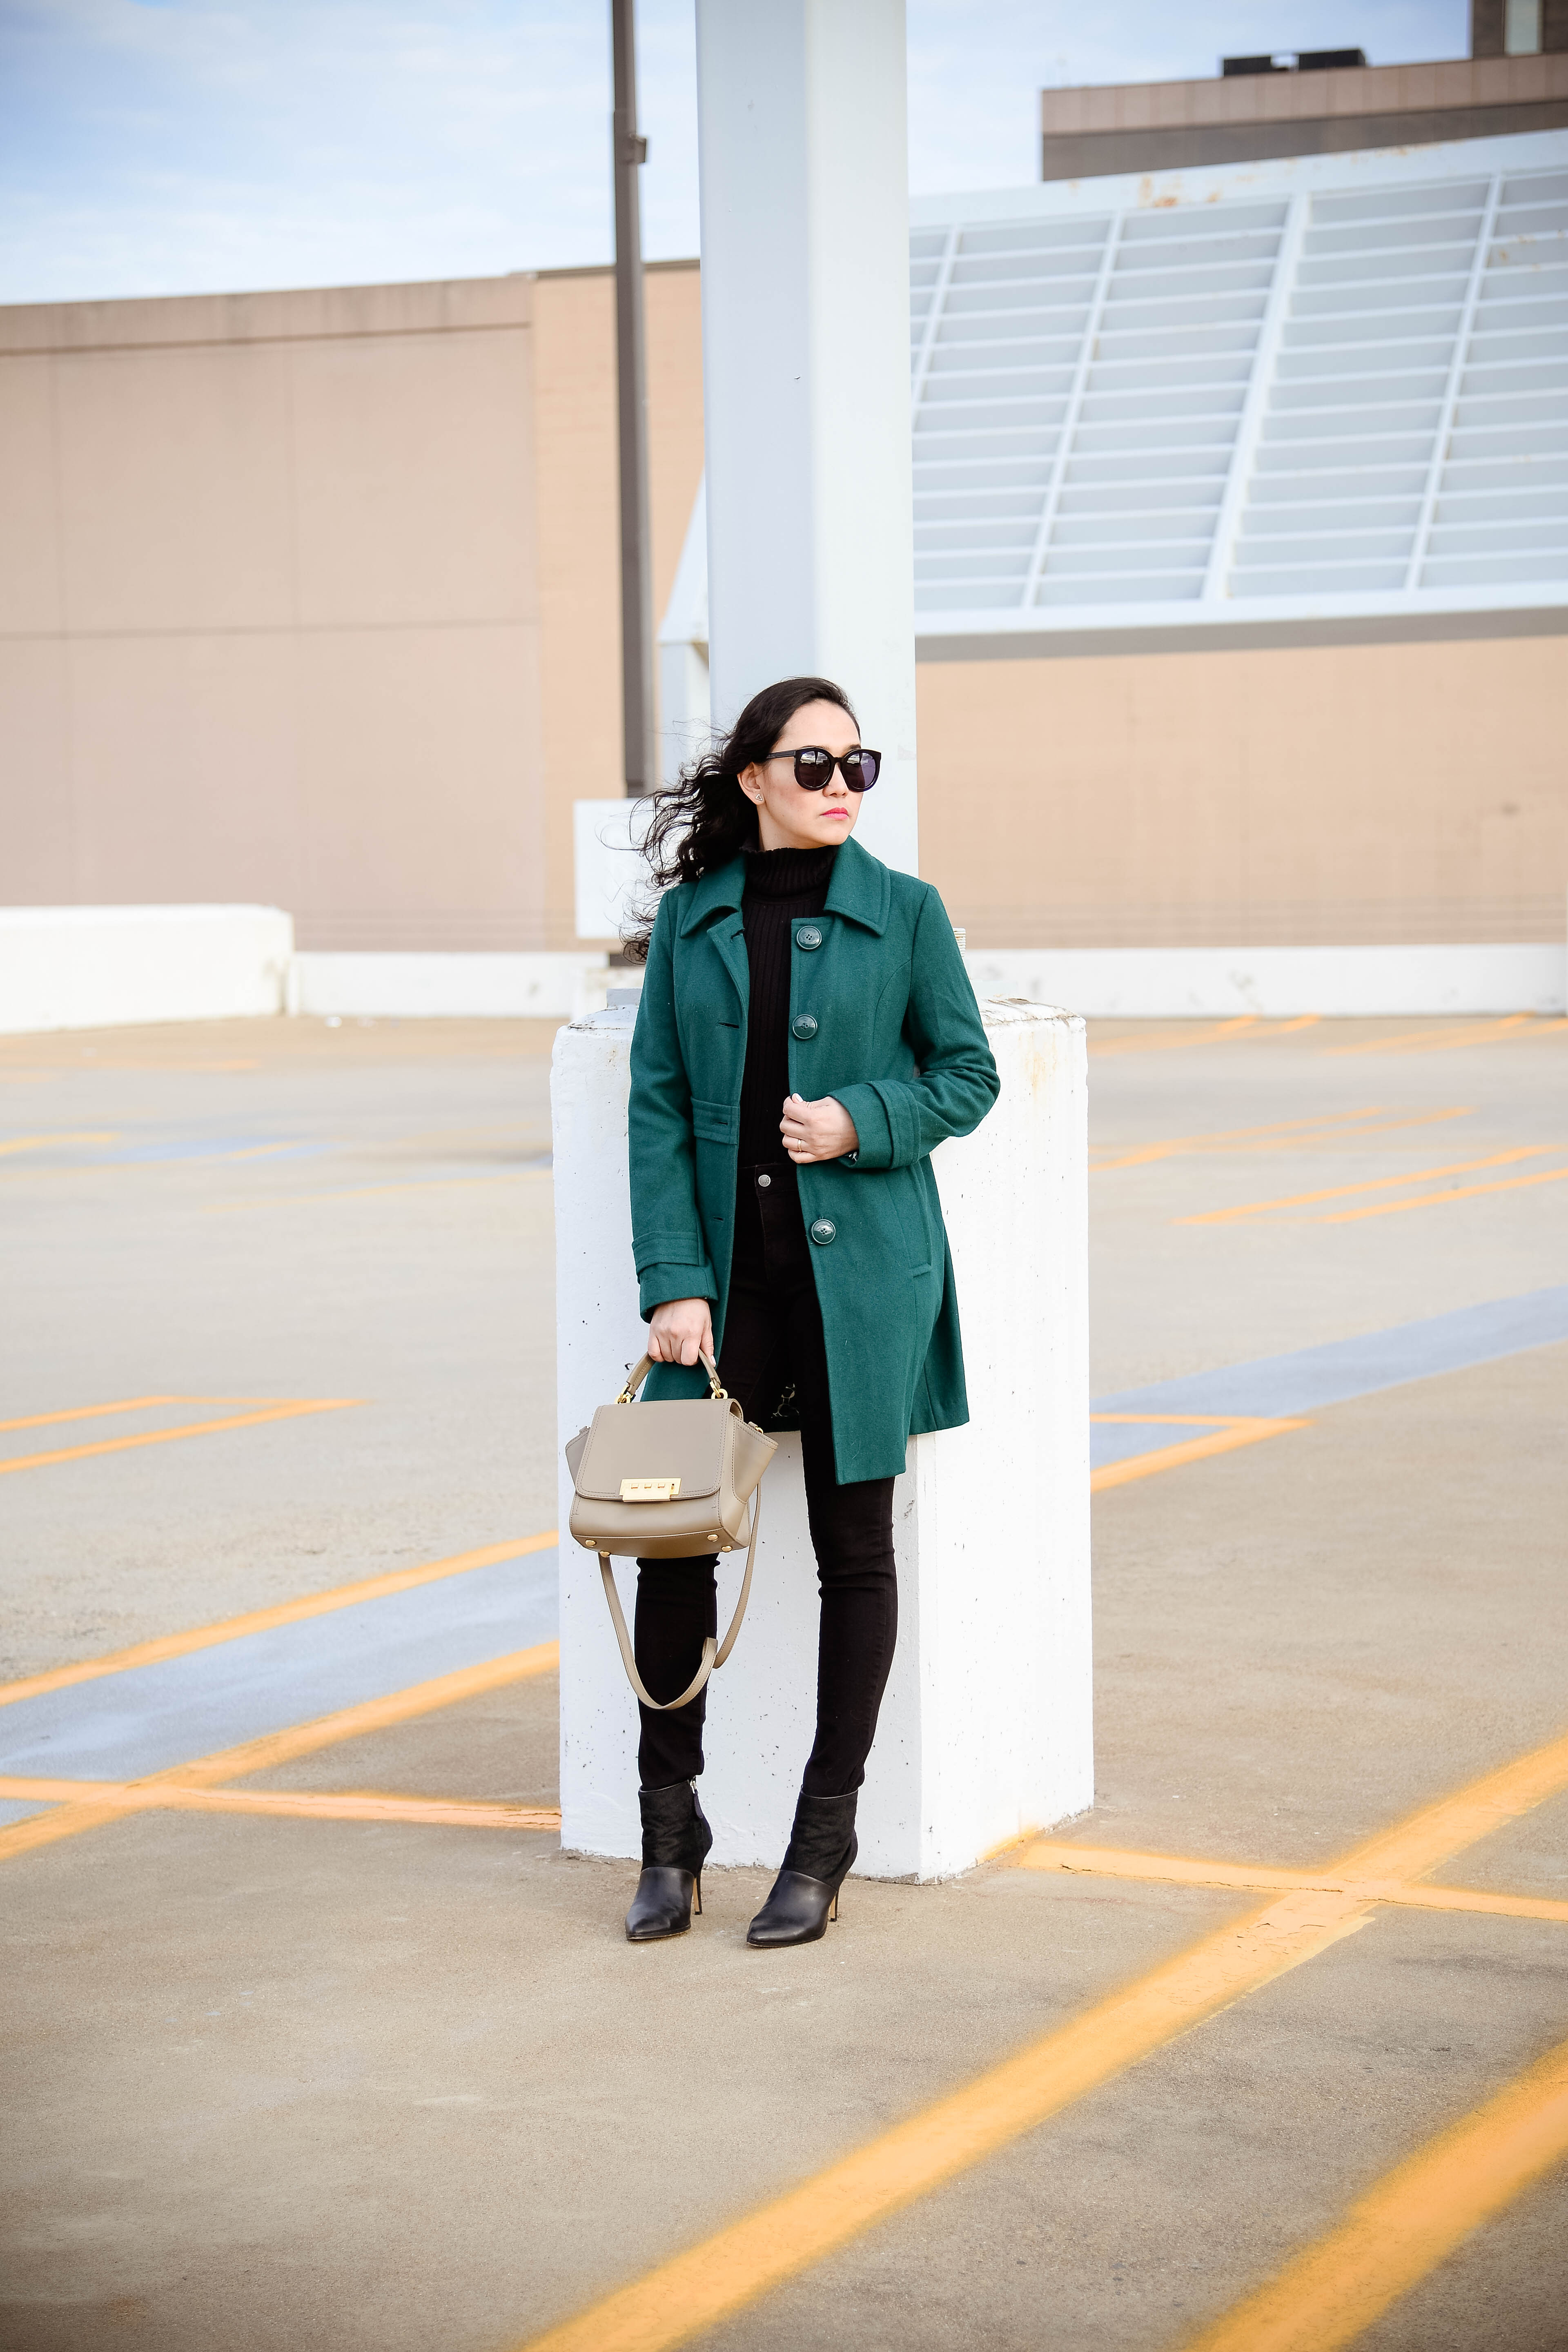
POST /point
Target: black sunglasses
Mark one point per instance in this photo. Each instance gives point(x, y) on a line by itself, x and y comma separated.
point(814, 768)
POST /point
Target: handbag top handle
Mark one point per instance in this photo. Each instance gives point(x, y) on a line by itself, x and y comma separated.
point(644, 1365)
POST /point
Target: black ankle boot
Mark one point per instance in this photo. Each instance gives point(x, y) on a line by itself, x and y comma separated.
point(675, 1842)
point(821, 1851)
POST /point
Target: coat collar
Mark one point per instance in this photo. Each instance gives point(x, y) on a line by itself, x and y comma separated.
point(861, 890)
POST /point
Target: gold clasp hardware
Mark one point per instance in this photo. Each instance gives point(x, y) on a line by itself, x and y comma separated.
point(649, 1490)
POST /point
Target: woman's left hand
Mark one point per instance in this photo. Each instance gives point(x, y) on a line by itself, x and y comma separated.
point(816, 1130)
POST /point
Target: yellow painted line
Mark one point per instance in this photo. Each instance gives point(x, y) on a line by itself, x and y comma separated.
point(1412, 2218)
point(1182, 1870)
point(724, 2273)
point(1178, 1869)
point(263, 1621)
point(134, 1164)
point(96, 1412)
point(43, 1142)
point(1431, 1836)
point(686, 2296)
point(1287, 1131)
point(365, 1192)
point(1217, 1035)
point(1221, 1440)
point(309, 1804)
point(91, 1066)
point(1422, 1897)
point(1346, 1127)
point(1417, 1041)
point(1458, 1193)
point(275, 1747)
point(192, 1429)
point(258, 1151)
point(1371, 1184)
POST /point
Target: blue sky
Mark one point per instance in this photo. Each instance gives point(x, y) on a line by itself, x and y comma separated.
point(188, 146)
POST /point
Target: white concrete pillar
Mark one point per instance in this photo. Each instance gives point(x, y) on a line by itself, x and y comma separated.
point(985, 1729)
point(685, 693)
point(805, 358)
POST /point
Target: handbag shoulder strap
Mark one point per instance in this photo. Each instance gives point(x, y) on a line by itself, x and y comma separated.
point(713, 1652)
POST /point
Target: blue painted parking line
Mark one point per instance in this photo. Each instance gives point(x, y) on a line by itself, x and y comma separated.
point(1121, 1441)
point(15, 1809)
point(1280, 1387)
point(202, 1147)
point(152, 1718)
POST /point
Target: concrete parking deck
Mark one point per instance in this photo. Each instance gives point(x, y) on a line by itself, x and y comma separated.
point(315, 2039)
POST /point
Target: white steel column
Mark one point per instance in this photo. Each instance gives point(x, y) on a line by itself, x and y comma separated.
point(1254, 405)
point(1067, 431)
point(1459, 360)
point(805, 355)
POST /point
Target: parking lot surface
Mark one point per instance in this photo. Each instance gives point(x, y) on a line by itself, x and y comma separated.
point(315, 2039)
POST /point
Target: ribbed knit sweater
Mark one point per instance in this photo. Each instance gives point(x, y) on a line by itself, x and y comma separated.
point(782, 885)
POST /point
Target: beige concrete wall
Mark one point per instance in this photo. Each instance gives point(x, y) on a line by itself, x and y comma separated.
point(1237, 118)
point(271, 624)
point(312, 598)
point(1330, 794)
point(1462, 84)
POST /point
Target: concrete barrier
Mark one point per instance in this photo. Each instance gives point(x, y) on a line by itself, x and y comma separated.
point(1277, 983)
point(985, 1729)
point(104, 967)
point(427, 986)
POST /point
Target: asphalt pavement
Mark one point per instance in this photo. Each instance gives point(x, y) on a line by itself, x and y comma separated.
point(314, 2038)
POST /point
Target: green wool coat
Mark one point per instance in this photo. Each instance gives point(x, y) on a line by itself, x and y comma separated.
point(883, 1016)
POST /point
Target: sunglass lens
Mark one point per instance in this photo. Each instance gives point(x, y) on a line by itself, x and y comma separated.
point(863, 767)
point(812, 771)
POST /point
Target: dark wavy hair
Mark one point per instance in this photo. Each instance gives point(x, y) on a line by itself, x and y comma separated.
point(704, 819)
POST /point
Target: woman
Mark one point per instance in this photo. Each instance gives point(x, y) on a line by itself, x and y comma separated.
point(807, 1035)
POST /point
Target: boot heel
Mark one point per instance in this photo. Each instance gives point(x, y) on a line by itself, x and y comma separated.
point(696, 1894)
point(833, 1913)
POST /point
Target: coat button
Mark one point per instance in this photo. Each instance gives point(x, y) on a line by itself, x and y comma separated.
point(764, 1180)
point(823, 1230)
point(804, 1025)
point(808, 937)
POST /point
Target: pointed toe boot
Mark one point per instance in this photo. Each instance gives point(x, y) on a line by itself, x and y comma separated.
point(676, 1839)
point(805, 1895)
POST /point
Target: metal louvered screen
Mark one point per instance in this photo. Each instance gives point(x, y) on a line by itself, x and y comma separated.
point(1331, 397)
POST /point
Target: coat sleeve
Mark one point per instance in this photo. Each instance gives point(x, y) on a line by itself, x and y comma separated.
point(666, 1234)
point(900, 1120)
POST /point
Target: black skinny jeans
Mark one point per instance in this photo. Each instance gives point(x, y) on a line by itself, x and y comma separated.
point(773, 1337)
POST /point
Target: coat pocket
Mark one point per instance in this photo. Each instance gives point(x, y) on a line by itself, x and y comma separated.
point(912, 1225)
point(714, 1122)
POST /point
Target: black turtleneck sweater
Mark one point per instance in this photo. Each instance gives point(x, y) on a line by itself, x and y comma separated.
point(782, 885)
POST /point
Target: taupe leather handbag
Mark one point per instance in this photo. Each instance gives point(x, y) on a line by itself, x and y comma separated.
point(670, 1480)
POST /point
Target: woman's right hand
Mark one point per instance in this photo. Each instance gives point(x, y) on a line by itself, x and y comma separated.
point(680, 1331)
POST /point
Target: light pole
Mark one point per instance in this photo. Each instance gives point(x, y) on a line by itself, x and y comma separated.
point(629, 150)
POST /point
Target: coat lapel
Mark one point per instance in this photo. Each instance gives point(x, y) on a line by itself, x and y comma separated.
point(719, 894)
point(729, 936)
point(861, 888)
